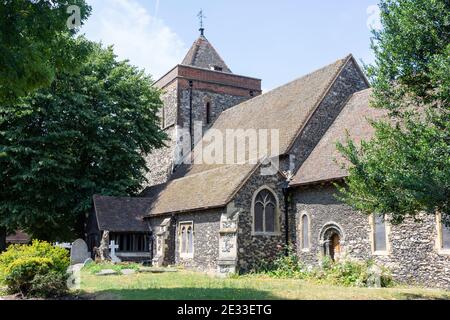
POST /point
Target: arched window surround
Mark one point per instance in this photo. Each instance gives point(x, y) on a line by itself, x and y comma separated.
point(186, 235)
point(305, 247)
point(277, 213)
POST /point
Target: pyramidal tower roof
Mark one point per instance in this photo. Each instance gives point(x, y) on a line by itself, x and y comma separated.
point(203, 55)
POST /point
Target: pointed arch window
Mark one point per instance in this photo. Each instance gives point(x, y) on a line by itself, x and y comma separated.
point(265, 212)
point(186, 239)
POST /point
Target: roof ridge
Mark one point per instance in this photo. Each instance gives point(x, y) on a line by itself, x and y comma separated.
point(346, 58)
point(322, 97)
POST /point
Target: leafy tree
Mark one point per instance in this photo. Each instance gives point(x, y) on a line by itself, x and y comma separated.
point(86, 134)
point(35, 42)
point(405, 168)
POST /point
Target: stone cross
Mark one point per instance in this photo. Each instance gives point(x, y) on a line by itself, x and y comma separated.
point(113, 246)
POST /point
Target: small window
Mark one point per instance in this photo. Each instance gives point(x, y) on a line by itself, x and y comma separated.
point(208, 112)
point(252, 93)
point(305, 232)
point(265, 212)
point(380, 243)
point(186, 239)
point(217, 68)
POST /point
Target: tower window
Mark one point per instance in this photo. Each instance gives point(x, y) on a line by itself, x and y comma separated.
point(208, 112)
point(217, 68)
point(252, 93)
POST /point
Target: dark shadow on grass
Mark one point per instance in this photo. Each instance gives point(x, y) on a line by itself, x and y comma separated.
point(416, 296)
point(184, 294)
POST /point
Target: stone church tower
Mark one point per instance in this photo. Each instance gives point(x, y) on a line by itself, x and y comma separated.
point(197, 90)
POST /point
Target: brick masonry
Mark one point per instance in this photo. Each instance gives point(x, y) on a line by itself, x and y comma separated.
point(182, 88)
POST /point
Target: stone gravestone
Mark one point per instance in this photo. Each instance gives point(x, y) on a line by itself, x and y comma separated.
point(374, 278)
point(79, 252)
point(113, 246)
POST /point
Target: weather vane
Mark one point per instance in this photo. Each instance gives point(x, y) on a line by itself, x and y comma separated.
point(201, 16)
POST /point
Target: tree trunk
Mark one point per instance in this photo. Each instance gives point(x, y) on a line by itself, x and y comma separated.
point(2, 239)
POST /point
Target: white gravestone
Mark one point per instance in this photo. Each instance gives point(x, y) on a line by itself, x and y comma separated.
point(113, 246)
point(79, 252)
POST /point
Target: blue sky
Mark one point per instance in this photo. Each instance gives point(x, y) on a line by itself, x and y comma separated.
point(276, 41)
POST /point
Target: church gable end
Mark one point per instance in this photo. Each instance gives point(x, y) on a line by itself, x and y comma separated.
point(349, 80)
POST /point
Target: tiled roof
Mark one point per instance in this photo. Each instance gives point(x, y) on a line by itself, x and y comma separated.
point(19, 237)
point(121, 214)
point(325, 163)
point(203, 55)
point(208, 189)
point(286, 109)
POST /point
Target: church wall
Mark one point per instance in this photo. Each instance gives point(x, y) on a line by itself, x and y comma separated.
point(169, 97)
point(348, 82)
point(254, 249)
point(206, 240)
point(160, 161)
point(218, 102)
point(412, 255)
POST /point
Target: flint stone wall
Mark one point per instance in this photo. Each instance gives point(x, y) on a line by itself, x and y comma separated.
point(413, 257)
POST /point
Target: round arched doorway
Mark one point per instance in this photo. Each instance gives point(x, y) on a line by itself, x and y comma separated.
point(332, 238)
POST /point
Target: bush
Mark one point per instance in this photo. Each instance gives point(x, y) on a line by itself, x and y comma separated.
point(49, 285)
point(350, 273)
point(343, 273)
point(284, 266)
point(35, 270)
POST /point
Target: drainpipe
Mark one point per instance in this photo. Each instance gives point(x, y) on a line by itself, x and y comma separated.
point(191, 84)
point(285, 188)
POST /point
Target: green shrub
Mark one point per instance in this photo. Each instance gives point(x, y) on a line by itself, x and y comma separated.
point(284, 266)
point(21, 272)
point(49, 285)
point(24, 269)
point(343, 273)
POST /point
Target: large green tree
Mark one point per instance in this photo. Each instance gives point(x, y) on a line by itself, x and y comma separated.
point(36, 42)
point(85, 134)
point(405, 168)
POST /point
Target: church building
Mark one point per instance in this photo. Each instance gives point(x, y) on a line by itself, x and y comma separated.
point(229, 217)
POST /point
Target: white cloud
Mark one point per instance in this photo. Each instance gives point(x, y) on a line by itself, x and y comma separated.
point(374, 19)
point(136, 34)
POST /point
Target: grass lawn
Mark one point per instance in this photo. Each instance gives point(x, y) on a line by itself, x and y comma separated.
point(193, 286)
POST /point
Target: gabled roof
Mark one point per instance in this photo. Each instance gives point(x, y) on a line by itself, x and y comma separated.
point(287, 108)
point(203, 55)
point(204, 190)
point(325, 162)
point(121, 214)
point(18, 237)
